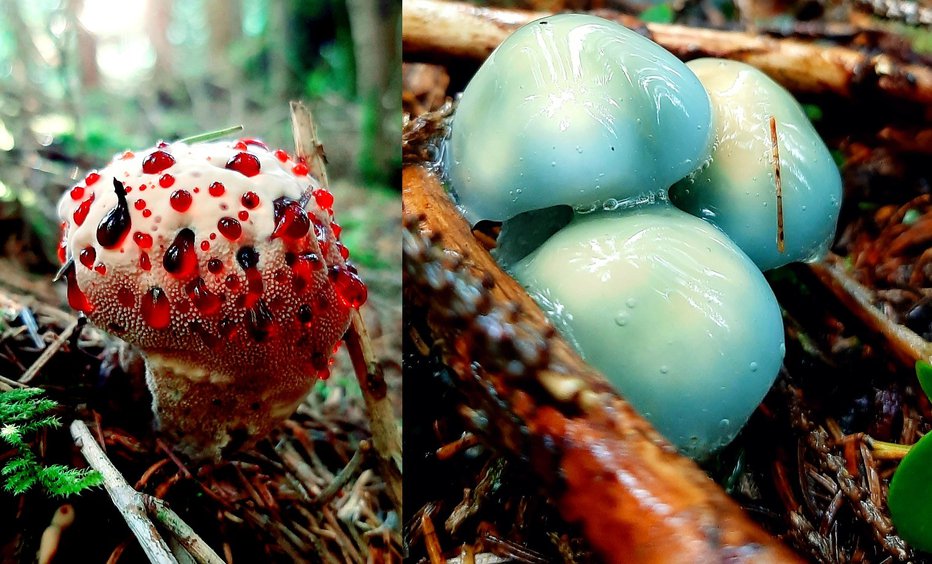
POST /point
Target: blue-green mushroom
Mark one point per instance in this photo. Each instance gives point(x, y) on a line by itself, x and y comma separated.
point(575, 110)
point(737, 190)
point(671, 311)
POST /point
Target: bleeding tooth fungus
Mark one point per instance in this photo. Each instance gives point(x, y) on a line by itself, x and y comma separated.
point(234, 328)
point(572, 133)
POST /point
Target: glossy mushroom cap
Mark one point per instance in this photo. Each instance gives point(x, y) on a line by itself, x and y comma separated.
point(736, 191)
point(222, 263)
point(575, 110)
point(671, 311)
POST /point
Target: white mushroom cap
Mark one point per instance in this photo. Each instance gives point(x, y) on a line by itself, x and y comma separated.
point(736, 191)
point(574, 110)
point(671, 311)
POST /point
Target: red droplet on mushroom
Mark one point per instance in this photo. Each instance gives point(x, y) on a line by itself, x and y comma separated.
point(344, 252)
point(101, 269)
point(146, 213)
point(256, 142)
point(114, 226)
point(144, 240)
point(243, 215)
point(88, 257)
point(336, 229)
point(204, 300)
point(248, 259)
point(76, 298)
point(323, 198)
point(260, 322)
point(246, 164)
point(156, 162)
point(281, 155)
point(180, 200)
point(305, 315)
point(216, 189)
point(215, 266)
point(229, 228)
point(240, 146)
point(302, 269)
point(161, 144)
point(180, 257)
point(250, 200)
point(127, 155)
point(77, 193)
point(156, 309)
point(291, 221)
point(232, 282)
point(350, 289)
point(80, 214)
point(205, 246)
point(139, 204)
point(166, 180)
point(126, 297)
point(300, 169)
point(144, 262)
point(91, 178)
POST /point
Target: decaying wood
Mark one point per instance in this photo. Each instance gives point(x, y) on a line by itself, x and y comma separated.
point(386, 437)
point(437, 30)
point(635, 497)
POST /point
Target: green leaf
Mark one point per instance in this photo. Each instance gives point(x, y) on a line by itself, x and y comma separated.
point(924, 373)
point(910, 497)
point(661, 13)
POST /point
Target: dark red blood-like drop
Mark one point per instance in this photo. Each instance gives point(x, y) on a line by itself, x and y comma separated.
point(77, 193)
point(180, 200)
point(336, 229)
point(166, 180)
point(88, 256)
point(101, 269)
point(243, 215)
point(146, 213)
point(216, 189)
point(281, 155)
point(156, 162)
point(256, 142)
point(215, 266)
point(91, 178)
point(323, 198)
point(144, 240)
point(205, 246)
point(76, 298)
point(300, 169)
point(260, 322)
point(227, 329)
point(250, 200)
point(139, 204)
point(180, 257)
point(204, 300)
point(246, 164)
point(156, 309)
point(80, 214)
point(229, 228)
point(114, 226)
point(254, 287)
point(291, 221)
point(302, 269)
point(240, 146)
point(305, 315)
point(350, 289)
point(232, 282)
point(62, 252)
point(125, 297)
point(210, 340)
point(144, 262)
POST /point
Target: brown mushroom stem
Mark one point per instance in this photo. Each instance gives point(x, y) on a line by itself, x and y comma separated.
point(206, 414)
point(636, 499)
point(435, 30)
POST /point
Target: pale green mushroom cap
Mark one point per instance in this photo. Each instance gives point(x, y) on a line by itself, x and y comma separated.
point(671, 311)
point(737, 190)
point(574, 110)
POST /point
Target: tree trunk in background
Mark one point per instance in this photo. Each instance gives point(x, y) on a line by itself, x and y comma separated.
point(158, 18)
point(88, 71)
point(375, 47)
point(225, 24)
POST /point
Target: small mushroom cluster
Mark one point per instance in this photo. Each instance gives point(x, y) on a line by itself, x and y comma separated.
point(223, 264)
point(590, 141)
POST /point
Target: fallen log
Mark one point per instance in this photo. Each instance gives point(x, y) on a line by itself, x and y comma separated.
point(438, 31)
point(635, 497)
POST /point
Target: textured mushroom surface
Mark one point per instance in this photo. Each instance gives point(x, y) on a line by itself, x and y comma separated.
point(575, 110)
point(671, 311)
point(737, 191)
point(222, 263)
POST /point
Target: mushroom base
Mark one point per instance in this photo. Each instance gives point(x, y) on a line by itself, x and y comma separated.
point(208, 415)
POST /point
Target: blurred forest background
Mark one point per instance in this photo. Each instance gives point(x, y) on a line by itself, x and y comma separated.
point(81, 80)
